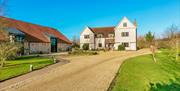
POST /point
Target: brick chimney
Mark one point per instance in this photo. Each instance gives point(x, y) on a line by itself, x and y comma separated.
point(135, 22)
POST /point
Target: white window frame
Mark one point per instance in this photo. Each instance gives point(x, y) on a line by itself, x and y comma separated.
point(86, 36)
point(125, 34)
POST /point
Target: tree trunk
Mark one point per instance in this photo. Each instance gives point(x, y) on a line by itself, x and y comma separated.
point(2, 63)
point(153, 50)
point(154, 58)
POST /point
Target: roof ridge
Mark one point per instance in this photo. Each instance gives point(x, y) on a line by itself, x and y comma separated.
point(27, 22)
point(104, 27)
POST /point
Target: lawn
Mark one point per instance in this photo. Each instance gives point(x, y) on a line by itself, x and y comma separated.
point(142, 74)
point(21, 65)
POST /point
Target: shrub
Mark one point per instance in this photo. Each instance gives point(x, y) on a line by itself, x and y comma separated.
point(142, 44)
point(75, 45)
point(94, 49)
point(69, 48)
point(94, 53)
point(121, 47)
point(77, 51)
point(163, 45)
point(85, 47)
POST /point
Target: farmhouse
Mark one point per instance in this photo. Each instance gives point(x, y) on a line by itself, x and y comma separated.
point(125, 33)
point(34, 38)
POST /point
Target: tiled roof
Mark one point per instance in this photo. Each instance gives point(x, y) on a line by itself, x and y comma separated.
point(103, 30)
point(33, 31)
point(3, 36)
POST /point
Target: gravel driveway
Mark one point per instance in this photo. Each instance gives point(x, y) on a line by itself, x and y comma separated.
point(83, 73)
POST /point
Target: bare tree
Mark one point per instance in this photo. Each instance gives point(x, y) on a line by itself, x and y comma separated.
point(141, 42)
point(75, 41)
point(172, 35)
point(7, 49)
point(171, 32)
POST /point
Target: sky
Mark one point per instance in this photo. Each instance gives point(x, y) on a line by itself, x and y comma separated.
point(70, 17)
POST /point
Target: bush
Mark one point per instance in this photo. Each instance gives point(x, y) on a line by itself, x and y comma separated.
point(163, 45)
point(75, 45)
point(77, 51)
point(142, 44)
point(69, 48)
point(94, 53)
point(121, 47)
point(85, 47)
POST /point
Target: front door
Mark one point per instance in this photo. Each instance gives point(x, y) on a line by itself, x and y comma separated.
point(53, 44)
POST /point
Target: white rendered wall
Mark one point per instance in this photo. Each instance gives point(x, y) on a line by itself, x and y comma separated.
point(100, 40)
point(131, 39)
point(90, 41)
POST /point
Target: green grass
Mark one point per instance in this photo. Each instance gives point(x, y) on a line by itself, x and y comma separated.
point(20, 66)
point(142, 74)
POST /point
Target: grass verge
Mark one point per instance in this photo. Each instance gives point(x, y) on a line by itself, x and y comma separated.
point(143, 74)
point(21, 65)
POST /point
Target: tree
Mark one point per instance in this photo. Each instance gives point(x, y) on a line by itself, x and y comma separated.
point(75, 42)
point(171, 32)
point(149, 38)
point(7, 48)
point(141, 42)
point(172, 35)
point(151, 42)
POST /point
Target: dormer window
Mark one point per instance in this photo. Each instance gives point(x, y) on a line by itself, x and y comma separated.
point(124, 24)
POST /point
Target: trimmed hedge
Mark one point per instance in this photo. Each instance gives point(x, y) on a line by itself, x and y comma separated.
point(121, 47)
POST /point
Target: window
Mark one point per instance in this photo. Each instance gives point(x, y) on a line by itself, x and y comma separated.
point(125, 34)
point(100, 44)
point(86, 36)
point(125, 44)
point(19, 38)
point(110, 35)
point(53, 41)
point(100, 35)
point(125, 24)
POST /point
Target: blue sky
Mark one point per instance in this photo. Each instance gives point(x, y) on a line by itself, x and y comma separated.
point(71, 16)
